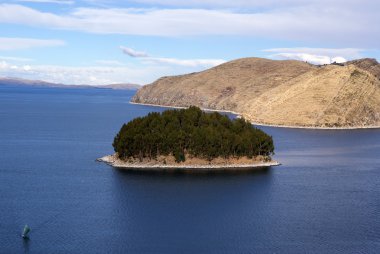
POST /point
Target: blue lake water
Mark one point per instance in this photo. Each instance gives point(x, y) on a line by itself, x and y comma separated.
point(325, 198)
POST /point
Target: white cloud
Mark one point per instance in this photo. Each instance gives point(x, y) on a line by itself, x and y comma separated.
point(236, 4)
point(314, 59)
point(133, 53)
point(106, 71)
point(185, 62)
point(338, 60)
point(344, 24)
point(108, 62)
point(349, 53)
point(15, 59)
point(48, 1)
point(7, 43)
point(4, 65)
point(210, 3)
point(316, 55)
point(90, 75)
point(27, 67)
point(146, 58)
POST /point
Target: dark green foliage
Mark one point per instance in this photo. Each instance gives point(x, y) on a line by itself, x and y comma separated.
point(190, 131)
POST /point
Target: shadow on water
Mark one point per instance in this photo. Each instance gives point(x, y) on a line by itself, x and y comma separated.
point(195, 172)
point(26, 244)
point(175, 211)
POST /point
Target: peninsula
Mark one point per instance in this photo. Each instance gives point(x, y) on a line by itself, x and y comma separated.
point(190, 139)
point(284, 93)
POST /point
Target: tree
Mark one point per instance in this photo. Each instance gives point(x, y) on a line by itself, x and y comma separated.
point(190, 131)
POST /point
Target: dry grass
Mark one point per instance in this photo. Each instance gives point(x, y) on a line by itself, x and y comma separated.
point(291, 93)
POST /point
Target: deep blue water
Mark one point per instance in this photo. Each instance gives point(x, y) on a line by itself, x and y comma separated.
point(325, 198)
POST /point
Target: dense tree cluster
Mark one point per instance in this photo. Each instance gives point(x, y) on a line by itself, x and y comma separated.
point(190, 131)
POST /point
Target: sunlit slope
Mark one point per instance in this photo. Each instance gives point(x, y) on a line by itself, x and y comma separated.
point(290, 93)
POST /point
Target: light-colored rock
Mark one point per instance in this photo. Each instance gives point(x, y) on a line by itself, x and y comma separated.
point(193, 165)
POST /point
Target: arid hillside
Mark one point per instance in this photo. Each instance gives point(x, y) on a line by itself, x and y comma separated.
point(286, 93)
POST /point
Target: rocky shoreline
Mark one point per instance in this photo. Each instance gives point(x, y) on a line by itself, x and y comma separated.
point(266, 124)
point(155, 165)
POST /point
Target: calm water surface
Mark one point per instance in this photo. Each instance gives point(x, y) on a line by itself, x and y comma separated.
point(324, 199)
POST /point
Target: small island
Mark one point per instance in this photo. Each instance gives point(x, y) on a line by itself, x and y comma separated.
point(190, 139)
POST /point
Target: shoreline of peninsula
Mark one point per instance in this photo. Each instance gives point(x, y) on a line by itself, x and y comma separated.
point(263, 124)
point(202, 166)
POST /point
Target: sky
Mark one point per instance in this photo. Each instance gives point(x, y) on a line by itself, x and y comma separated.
point(98, 42)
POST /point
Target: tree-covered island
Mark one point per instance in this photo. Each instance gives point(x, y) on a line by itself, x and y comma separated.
point(190, 137)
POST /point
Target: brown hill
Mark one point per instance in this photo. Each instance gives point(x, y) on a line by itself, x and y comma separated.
point(287, 93)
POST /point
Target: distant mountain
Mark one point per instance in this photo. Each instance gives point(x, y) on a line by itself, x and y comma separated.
point(284, 93)
point(125, 86)
point(39, 83)
point(27, 82)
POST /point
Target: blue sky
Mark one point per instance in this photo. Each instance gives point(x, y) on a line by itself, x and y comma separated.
point(109, 41)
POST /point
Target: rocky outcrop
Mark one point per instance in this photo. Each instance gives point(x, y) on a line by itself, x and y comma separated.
point(368, 64)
